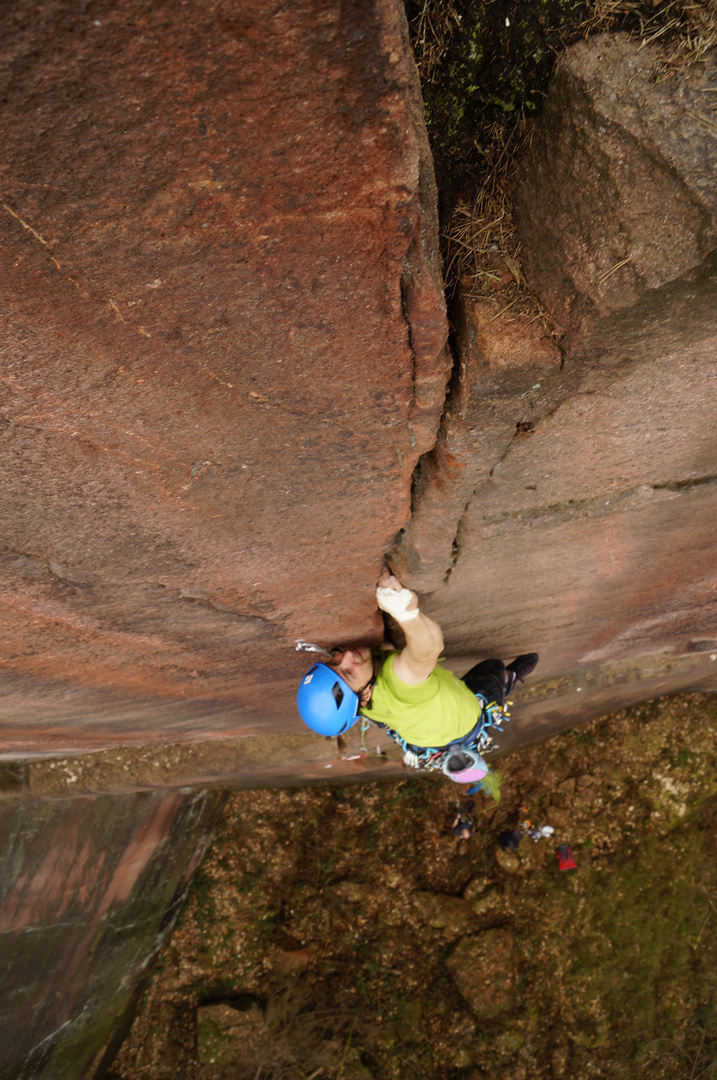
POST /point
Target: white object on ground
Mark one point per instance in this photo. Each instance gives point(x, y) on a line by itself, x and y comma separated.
point(542, 833)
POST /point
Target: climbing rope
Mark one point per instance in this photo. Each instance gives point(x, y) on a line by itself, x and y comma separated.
point(365, 722)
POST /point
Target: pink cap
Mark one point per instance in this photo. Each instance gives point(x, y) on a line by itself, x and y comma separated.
point(469, 776)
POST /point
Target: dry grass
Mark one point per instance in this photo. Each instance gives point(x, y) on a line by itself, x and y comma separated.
point(481, 232)
point(432, 31)
point(687, 27)
point(482, 251)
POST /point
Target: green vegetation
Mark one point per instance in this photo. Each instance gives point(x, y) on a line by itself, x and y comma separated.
point(485, 66)
point(487, 63)
point(482, 64)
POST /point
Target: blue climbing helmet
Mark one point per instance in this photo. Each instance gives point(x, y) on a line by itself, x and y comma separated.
point(326, 703)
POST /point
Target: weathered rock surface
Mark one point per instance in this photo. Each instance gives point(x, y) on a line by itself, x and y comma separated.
point(502, 359)
point(226, 1034)
point(90, 889)
point(224, 350)
point(448, 913)
point(222, 353)
point(593, 540)
point(485, 970)
point(569, 506)
point(616, 196)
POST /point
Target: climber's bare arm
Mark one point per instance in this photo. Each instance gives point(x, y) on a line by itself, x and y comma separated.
point(424, 639)
point(424, 645)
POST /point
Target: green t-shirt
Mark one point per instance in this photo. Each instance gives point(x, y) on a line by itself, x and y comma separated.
point(431, 713)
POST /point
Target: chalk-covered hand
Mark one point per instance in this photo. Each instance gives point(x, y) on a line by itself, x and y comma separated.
point(393, 598)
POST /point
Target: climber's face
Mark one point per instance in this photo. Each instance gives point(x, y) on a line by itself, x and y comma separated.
point(355, 666)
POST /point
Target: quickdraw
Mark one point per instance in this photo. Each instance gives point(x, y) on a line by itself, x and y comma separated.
point(431, 758)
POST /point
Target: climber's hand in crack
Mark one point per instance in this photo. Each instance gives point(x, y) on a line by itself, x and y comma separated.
point(446, 712)
point(424, 638)
point(424, 642)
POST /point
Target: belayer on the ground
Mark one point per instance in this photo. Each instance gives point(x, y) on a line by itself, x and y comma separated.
point(440, 721)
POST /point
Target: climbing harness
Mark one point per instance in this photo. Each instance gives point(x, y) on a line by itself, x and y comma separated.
point(477, 742)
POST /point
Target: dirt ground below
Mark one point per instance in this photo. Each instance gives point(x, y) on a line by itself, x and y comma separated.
point(346, 932)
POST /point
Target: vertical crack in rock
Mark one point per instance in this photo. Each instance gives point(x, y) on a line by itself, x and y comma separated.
point(266, 336)
point(501, 363)
point(602, 256)
point(422, 292)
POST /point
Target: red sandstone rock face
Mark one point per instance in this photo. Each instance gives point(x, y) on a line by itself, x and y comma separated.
point(593, 539)
point(89, 895)
point(570, 508)
point(616, 195)
point(222, 353)
point(502, 360)
point(213, 402)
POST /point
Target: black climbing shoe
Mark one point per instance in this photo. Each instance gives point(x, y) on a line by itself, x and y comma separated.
point(520, 668)
point(510, 841)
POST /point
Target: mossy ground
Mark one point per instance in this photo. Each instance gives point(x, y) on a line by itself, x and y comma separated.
point(326, 919)
point(485, 68)
point(483, 63)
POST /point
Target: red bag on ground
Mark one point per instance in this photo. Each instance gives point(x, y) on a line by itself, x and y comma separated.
point(565, 857)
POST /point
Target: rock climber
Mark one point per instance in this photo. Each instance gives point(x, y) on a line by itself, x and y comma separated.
point(439, 720)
